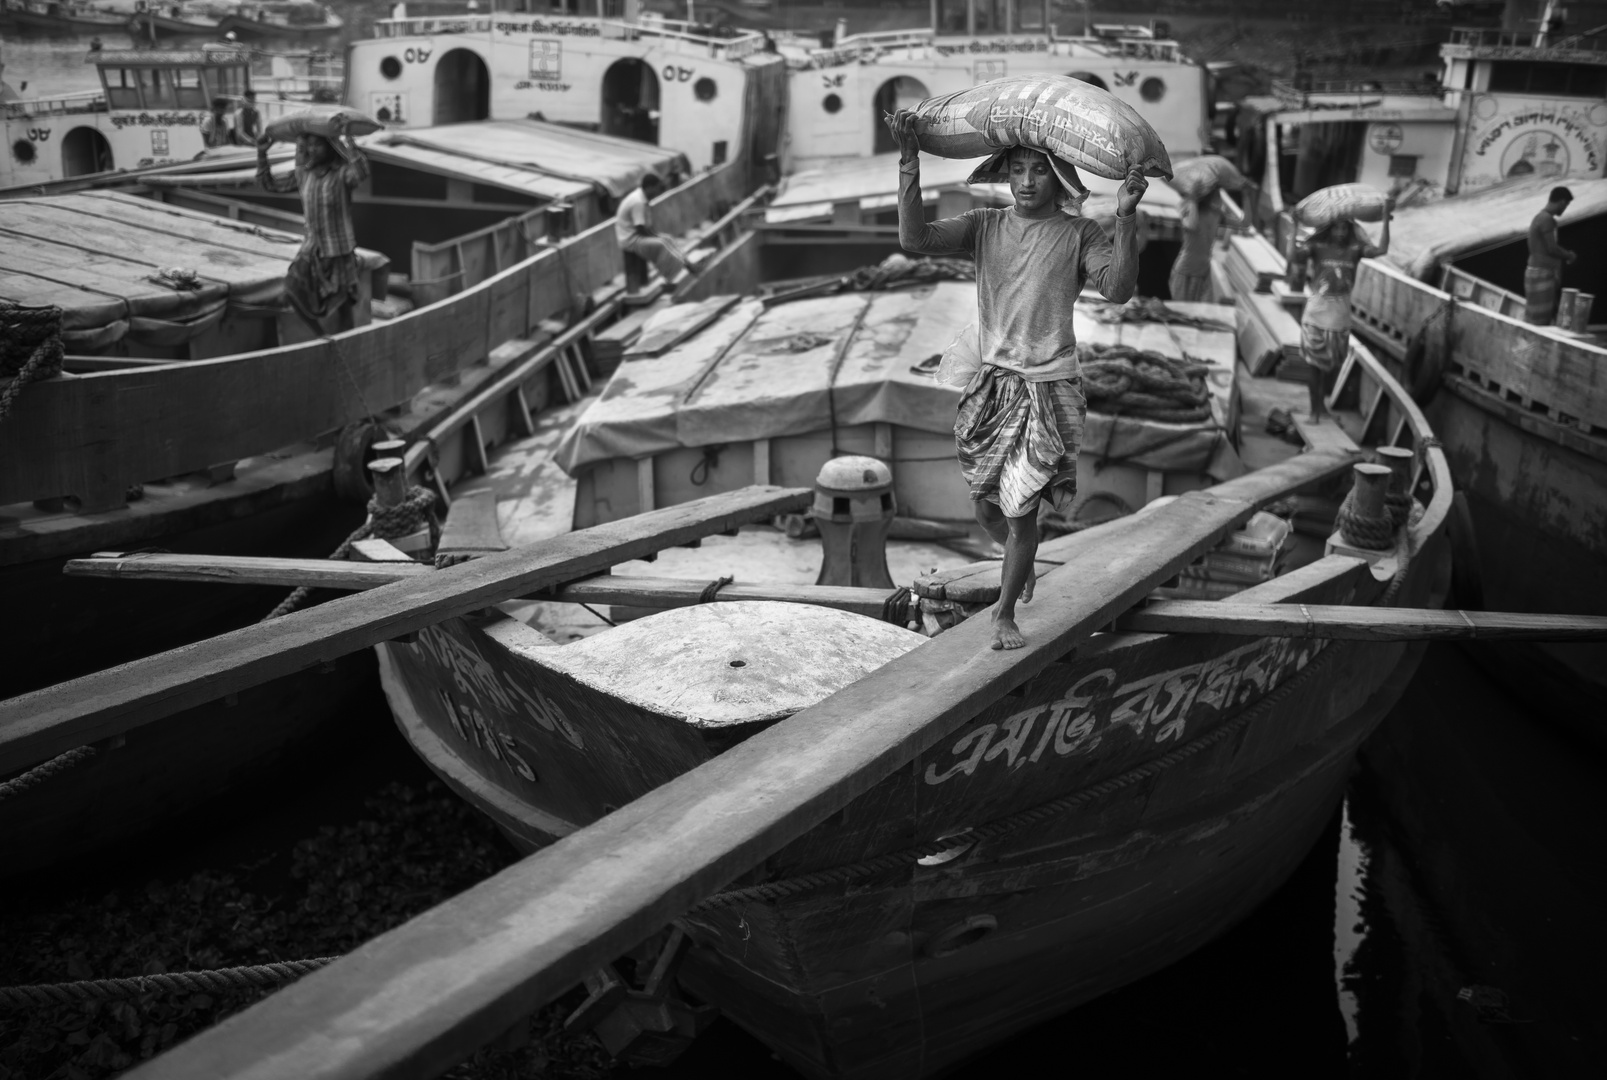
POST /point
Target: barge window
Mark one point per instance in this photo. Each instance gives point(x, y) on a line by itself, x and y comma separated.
point(1545, 77)
point(122, 89)
point(227, 81)
point(950, 17)
point(1030, 17)
point(156, 88)
point(189, 91)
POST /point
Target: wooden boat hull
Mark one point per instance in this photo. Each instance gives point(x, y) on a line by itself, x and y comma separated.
point(1219, 759)
point(62, 23)
point(144, 22)
point(253, 28)
point(1540, 521)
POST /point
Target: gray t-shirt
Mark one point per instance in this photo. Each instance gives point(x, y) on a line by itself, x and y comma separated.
point(1029, 272)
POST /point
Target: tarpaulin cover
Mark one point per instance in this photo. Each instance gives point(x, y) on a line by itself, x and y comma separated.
point(99, 256)
point(615, 164)
point(762, 374)
point(1422, 238)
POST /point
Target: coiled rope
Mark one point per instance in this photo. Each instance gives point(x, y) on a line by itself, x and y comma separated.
point(712, 589)
point(1001, 827)
point(1123, 381)
point(215, 981)
point(1375, 533)
point(385, 522)
point(30, 349)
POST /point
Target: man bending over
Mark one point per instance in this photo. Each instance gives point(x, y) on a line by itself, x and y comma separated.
point(1021, 417)
point(633, 228)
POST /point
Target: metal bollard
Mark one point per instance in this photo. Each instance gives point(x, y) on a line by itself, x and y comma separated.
point(854, 508)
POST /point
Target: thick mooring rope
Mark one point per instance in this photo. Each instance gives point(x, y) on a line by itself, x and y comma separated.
point(30, 349)
point(1364, 530)
point(215, 981)
point(385, 522)
point(44, 771)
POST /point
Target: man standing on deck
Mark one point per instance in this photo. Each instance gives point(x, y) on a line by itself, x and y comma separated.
point(248, 127)
point(1328, 258)
point(633, 228)
point(323, 276)
point(215, 127)
point(1020, 420)
point(1542, 278)
point(1199, 220)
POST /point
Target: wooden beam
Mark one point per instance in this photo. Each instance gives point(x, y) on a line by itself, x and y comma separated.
point(681, 592)
point(1359, 623)
point(46, 722)
point(245, 570)
point(416, 1000)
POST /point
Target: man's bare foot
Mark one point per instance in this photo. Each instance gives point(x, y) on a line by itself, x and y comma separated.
point(1026, 590)
point(1006, 634)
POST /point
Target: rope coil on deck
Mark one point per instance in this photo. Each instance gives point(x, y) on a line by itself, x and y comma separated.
point(895, 860)
point(30, 349)
point(1123, 381)
point(1364, 530)
point(177, 982)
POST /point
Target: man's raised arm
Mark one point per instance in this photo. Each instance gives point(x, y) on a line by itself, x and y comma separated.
point(950, 236)
point(1111, 266)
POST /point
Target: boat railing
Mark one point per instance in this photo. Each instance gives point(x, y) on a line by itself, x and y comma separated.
point(301, 86)
point(1488, 40)
point(729, 47)
point(431, 25)
point(82, 101)
point(1539, 374)
point(1356, 90)
point(182, 417)
point(734, 47)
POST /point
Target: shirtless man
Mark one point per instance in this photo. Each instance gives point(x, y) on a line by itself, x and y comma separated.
point(1021, 418)
point(1328, 259)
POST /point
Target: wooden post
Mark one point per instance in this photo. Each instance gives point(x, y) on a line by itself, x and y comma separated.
point(1399, 460)
point(390, 480)
point(1372, 481)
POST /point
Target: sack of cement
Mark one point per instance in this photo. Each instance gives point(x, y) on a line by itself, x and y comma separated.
point(330, 123)
point(1077, 121)
point(1197, 177)
point(1358, 202)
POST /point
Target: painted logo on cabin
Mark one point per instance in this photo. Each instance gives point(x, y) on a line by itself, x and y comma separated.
point(475, 678)
point(1096, 706)
point(1522, 138)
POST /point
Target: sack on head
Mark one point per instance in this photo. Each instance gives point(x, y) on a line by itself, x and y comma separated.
point(1065, 117)
point(1198, 176)
point(1356, 202)
point(330, 123)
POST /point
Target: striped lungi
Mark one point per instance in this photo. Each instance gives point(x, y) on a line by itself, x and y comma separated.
point(1542, 287)
point(1018, 440)
point(315, 284)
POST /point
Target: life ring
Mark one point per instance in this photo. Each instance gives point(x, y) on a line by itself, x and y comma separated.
point(351, 460)
point(961, 935)
point(1467, 585)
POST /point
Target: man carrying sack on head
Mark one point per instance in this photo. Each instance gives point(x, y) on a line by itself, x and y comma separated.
point(1021, 418)
point(322, 278)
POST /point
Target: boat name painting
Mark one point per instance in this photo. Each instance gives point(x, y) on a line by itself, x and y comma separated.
point(167, 119)
point(476, 678)
point(1509, 138)
point(1096, 705)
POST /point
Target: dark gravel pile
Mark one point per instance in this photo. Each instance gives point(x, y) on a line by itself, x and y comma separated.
point(414, 846)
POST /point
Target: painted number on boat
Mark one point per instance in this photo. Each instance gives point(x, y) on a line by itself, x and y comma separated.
point(39, 134)
point(417, 56)
point(475, 678)
point(472, 727)
point(1097, 705)
point(672, 73)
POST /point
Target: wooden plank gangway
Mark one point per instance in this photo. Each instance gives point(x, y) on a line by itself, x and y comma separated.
point(1330, 621)
point(416, 1000)
point(44, 723)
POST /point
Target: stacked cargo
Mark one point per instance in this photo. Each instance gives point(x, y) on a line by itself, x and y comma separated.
point(1268, 331)
point(1248, 557)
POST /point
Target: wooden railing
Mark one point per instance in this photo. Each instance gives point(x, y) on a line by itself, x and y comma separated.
point(440, 270)
point(1464, 286)
point(1534, 368)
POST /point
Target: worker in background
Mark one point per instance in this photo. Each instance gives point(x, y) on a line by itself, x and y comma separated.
point(633, 228)
point(216, 127)
point(1542, 278)
point(322, 278)
point(1199, 220)
point(1328, 259)
point(1020, 420)
point(248, 125)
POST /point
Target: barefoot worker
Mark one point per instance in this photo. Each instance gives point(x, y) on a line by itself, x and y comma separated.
point(1542, 278)
point(1021, 418)
point(323, 276)
point(1328, 259)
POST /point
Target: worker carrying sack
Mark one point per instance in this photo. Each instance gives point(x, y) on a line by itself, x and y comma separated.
point(1075, 121)
point(1357, 202)
point(330, 123)
point(1197, 177)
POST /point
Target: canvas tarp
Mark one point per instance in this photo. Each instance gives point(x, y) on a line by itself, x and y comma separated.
point(1424, 238)
point(99, 256)
point(803, 366)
